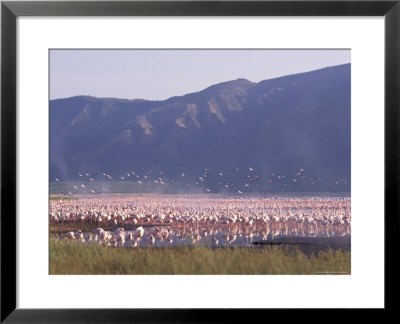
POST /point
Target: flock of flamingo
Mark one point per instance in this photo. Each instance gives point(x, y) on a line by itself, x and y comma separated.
point(161, 220)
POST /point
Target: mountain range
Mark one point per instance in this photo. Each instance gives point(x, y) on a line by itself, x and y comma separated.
point(295, 127)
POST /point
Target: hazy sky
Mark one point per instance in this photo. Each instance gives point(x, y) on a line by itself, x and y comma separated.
point(160, 74)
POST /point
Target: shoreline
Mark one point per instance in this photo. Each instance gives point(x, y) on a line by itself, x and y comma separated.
point(344, 195)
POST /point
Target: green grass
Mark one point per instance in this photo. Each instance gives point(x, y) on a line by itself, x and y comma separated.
point(73, 258)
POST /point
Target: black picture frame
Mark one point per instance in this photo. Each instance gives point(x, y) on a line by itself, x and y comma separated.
point(10, 10)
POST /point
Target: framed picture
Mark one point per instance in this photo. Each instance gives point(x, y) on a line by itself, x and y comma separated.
point(249, 140)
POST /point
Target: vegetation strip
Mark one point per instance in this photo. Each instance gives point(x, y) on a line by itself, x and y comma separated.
point(75, 258)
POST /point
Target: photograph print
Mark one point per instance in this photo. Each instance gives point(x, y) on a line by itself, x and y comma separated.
point(200, 161)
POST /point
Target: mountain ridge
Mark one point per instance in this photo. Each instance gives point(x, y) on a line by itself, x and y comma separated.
point(277, 125)
point(217, 84)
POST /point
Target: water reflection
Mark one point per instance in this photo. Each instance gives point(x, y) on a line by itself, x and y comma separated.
point(216, 235)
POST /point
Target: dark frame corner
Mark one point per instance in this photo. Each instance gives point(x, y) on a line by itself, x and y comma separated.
point(10, 10)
